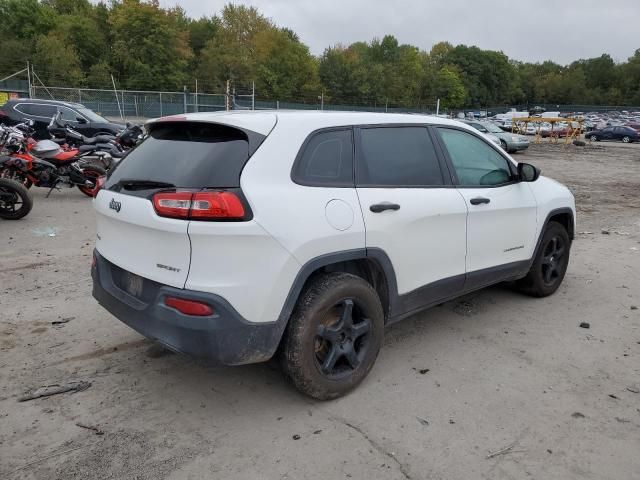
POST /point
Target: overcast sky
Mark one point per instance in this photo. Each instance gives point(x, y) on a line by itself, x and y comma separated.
point(560, 30)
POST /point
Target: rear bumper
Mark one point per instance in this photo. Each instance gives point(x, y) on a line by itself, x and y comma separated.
point(223, 338)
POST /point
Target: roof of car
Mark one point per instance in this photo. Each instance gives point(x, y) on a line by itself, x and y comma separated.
point(53, 102)
point(263, 121)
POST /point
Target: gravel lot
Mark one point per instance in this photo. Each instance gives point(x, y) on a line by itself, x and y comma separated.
point(452, 385)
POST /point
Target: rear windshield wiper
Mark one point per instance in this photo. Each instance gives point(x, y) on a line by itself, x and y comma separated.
point(133, 184)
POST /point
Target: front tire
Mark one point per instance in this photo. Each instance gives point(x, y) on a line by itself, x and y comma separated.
point(626, 139)
point(551, 262)
point(334, 335)
point(15, 201)
point(503, 144)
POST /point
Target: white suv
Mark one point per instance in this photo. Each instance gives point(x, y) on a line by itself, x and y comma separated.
point(231, 236)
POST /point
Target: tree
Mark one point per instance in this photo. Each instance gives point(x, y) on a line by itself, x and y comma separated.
point(56, 62)
point(149, 50)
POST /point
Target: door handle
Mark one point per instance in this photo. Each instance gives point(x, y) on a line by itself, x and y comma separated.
point(381, 207)
point(479, 200)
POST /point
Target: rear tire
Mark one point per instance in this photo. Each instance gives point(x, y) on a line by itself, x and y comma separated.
point(333, 337)
point(626, 139)
point(91, 173)
point(21, 203)
point(550, 265)
point(503, 144)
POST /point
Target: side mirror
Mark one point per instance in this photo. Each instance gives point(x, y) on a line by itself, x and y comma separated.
point(527, 172)
point(81, 120)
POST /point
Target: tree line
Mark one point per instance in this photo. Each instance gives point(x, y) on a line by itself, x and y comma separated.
point(146, 47)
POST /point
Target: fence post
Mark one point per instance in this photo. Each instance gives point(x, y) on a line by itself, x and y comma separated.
point(253, 96)
point(160, 103)
point(79, 96)
point(277, 104)
point(29, 78)
point(196, 99)
point(184, 97)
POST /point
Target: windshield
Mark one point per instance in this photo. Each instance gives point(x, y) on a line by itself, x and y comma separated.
point(492, 128)
point(91, 115)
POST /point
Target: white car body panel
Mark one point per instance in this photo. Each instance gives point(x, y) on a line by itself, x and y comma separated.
point(137, 240)
point(502, 231)
point(424, 239)
point(435, 235)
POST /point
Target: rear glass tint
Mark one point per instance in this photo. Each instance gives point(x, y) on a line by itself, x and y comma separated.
point(327, 160)
point(187, 155)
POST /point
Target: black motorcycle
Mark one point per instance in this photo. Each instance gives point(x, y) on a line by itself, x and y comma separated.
point(15, 200)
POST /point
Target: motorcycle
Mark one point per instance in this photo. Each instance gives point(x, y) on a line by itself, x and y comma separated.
point(116, 146)
point(105, 146)
point(15, 200)
point(45, 164)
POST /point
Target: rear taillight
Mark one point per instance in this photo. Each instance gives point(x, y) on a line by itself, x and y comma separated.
point(99, 184)
point(199, 205)
point(173, 204)
point(189, 307)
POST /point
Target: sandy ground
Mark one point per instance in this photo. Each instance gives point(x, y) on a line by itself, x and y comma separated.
point(452, 385)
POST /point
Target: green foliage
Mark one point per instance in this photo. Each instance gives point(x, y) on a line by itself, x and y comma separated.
point(148, 49)
point(57, 60)
point(144, 46)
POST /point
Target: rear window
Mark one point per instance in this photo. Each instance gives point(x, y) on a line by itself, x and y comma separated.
point(187, 155)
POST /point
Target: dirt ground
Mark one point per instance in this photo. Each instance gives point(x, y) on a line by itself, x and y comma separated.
point(452, 385)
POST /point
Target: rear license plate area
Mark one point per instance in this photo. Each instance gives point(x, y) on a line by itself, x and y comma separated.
point(133, 284)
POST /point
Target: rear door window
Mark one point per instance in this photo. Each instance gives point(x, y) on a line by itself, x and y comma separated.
point(187, 155)
point(397, 157)
point(326, 160)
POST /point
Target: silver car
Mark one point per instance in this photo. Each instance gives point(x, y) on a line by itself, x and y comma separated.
point(508, 141)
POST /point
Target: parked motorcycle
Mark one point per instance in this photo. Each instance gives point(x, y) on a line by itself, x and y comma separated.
point(116, 146)
point(15, 200)
point(68, 138)
point(45, 164)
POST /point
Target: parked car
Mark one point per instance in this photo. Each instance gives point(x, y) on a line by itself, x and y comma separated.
point(557, 131)
point(508, 141)
point(625, 134)
point(85, 121)
point(233, 236)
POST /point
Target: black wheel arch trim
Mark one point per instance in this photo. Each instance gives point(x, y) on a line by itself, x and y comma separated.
point(550, 215)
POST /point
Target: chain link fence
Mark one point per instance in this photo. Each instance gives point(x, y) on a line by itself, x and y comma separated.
point(129, 104)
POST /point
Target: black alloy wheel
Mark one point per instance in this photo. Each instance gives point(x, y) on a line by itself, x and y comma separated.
point(342, 340)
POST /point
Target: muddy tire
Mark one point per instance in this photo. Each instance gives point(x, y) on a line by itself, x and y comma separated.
point(550, 265)
point(333, 336)
point(15, 200)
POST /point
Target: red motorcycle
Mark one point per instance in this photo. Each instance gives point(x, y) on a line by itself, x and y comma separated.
point(45, 164)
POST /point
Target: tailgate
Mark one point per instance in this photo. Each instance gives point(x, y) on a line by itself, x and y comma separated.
point(132, 236)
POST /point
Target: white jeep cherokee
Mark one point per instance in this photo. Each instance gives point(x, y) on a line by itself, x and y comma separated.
point(231, 236)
